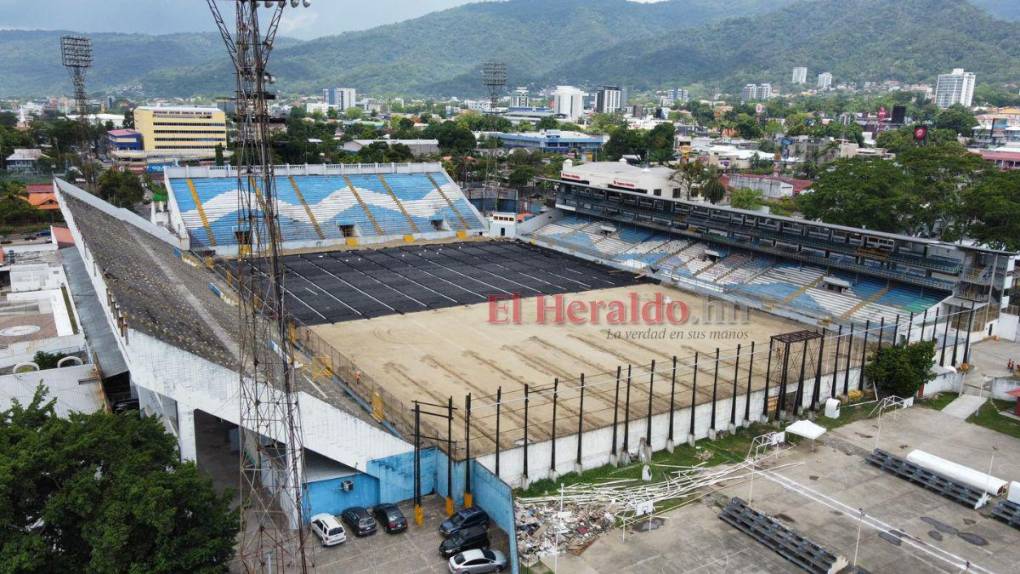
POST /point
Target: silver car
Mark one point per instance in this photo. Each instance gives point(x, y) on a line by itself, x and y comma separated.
point(477, 562)
point(328, 529)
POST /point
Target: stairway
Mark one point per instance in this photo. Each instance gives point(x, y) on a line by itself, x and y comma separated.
point(396, 200)
point(789, 298)
point(364, 207)
point(463, 222)
point(308, 210)
point(201, 213)
point(861, 305)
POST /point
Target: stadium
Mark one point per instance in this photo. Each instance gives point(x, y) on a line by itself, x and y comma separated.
point(400, 293)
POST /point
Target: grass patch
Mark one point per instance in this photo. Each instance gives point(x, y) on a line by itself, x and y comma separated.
point(988, 416)
point(728, 448)
point(939, 401)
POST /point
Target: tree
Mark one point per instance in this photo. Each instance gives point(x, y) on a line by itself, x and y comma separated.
point(744, 198)
point(521, 176)
point(660, 142)
point(713, 189)
point(129, 119)
point(625, 141)
point(896, 141)
point(121, 188)
point(547, 123)
point(47, 360)
point(219, 154)
point(452, 138)
point(353, 113)
point(902, 369)
point(992, 210)
point(104, 493)
point(958, 119)
point(870, 193)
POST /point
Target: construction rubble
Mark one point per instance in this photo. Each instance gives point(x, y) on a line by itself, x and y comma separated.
point(574, 517)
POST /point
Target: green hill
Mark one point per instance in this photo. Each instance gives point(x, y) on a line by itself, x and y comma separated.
point(715, 42)
point(856, 40)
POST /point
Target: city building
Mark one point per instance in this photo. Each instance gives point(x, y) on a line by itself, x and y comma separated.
point(799, 75)
point(756, 92)
point(554, 141)
point(519, 98)
point(418, 147)
point(681, 95)
point(340, 98)
point(609, 100)
point(123, 140)
point(517, 116)
point(824, 81)
point(656, 181)
point(181, 131)
point(771, 187)
point(24, 160)
point(955, 88)
point(568, 102)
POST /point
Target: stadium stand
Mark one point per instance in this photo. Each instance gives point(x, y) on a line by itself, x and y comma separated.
point(800, 287)
point(372, 203)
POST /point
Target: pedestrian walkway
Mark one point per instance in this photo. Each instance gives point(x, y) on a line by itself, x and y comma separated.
point(964, 406)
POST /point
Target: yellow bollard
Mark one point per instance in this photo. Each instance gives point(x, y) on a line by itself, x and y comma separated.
point(469, 500)
point(449, 506)
point(419, 515)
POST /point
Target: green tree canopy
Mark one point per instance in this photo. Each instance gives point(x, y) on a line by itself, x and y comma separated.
point(121, 188)
point(104, 493)
point(957, 119)
point(992, 209)
point(744, 198)
point(713, 190)
point(452, 137)
point(870, 193)
point(902, 369)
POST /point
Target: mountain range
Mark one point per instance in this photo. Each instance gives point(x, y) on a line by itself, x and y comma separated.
point(586, 42)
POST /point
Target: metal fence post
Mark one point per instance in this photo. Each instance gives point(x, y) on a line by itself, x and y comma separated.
point(835, 366)
point(864, 355)
point(526, 399)
point(768, 375)
point(733, 397)
point(580, 424)
point(849, 360)
point(648, 429)
point(945, 340)
point(468, 497)
point(694, 394)
point(672, 398)
point(715, 384)
point(616, 412)
point(750, 373)
point(816, 395)
point(499, 404)
point(556, 397)
point(626, 415)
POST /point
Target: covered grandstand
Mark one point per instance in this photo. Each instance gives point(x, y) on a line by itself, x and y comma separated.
point(811, 291)
point(325, 205)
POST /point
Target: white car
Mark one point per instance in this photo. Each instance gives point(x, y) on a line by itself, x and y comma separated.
point(328, 529)
point(477, 562)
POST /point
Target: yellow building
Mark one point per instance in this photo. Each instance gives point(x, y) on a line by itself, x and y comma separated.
point(181, 131)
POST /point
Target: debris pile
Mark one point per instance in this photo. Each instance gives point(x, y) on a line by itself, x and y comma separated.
point(571, 519)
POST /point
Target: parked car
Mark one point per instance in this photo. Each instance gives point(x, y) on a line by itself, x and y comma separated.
point(477, 561)
point(464, 518)
point(359, 521)
point(390, 517)
point(328, 529)
point(464, 539)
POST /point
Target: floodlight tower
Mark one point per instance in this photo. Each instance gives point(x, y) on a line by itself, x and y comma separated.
point(271, 453)
point(76, 55)
point(494, 78)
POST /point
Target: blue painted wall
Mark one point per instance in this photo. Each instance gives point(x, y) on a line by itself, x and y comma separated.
point(395, 475)
point(495, 497)
point(458, 478)
point(327, 496)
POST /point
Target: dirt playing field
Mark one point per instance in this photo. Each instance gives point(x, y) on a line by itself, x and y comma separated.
point(433, 355)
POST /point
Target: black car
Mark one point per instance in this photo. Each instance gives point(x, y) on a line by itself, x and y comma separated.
point(464, 518)
point(359, 521)
point(390, 517)
point(464, 539)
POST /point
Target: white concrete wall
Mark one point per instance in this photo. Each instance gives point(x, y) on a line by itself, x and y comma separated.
point(596, 444)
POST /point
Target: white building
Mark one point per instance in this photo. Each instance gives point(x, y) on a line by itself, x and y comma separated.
point(824, 81)
point(609, 100)
point(800, 75)
point(519, 98)
point(955, 88)
point(753, 92)
point(340, 98)
point(568, 102)
point(656, 181)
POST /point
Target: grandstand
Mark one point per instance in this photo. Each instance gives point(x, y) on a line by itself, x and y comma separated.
point(323, 206)
point(810, 291)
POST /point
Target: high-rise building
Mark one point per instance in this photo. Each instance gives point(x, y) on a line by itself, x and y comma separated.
point(800, 75)
point(608, 100)
point(181, 129)
point(519, 98)
point(568, 102)
point(682, 96)
point(955, 88)
point(340, 98)
point(824, 81)
point(753, 92)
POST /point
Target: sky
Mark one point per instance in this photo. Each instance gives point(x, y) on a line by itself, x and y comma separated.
point(323, 18)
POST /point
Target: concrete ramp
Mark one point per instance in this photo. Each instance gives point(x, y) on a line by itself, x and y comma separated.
point(964, 406)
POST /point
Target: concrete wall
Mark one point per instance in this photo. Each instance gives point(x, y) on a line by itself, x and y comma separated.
point(329, 496)
point(495, 497)
point(396, 475)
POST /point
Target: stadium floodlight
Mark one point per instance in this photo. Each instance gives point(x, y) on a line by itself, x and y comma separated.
point(76, 51)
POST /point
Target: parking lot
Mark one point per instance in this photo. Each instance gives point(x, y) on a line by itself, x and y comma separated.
point(413, 551)
point(819, 495)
